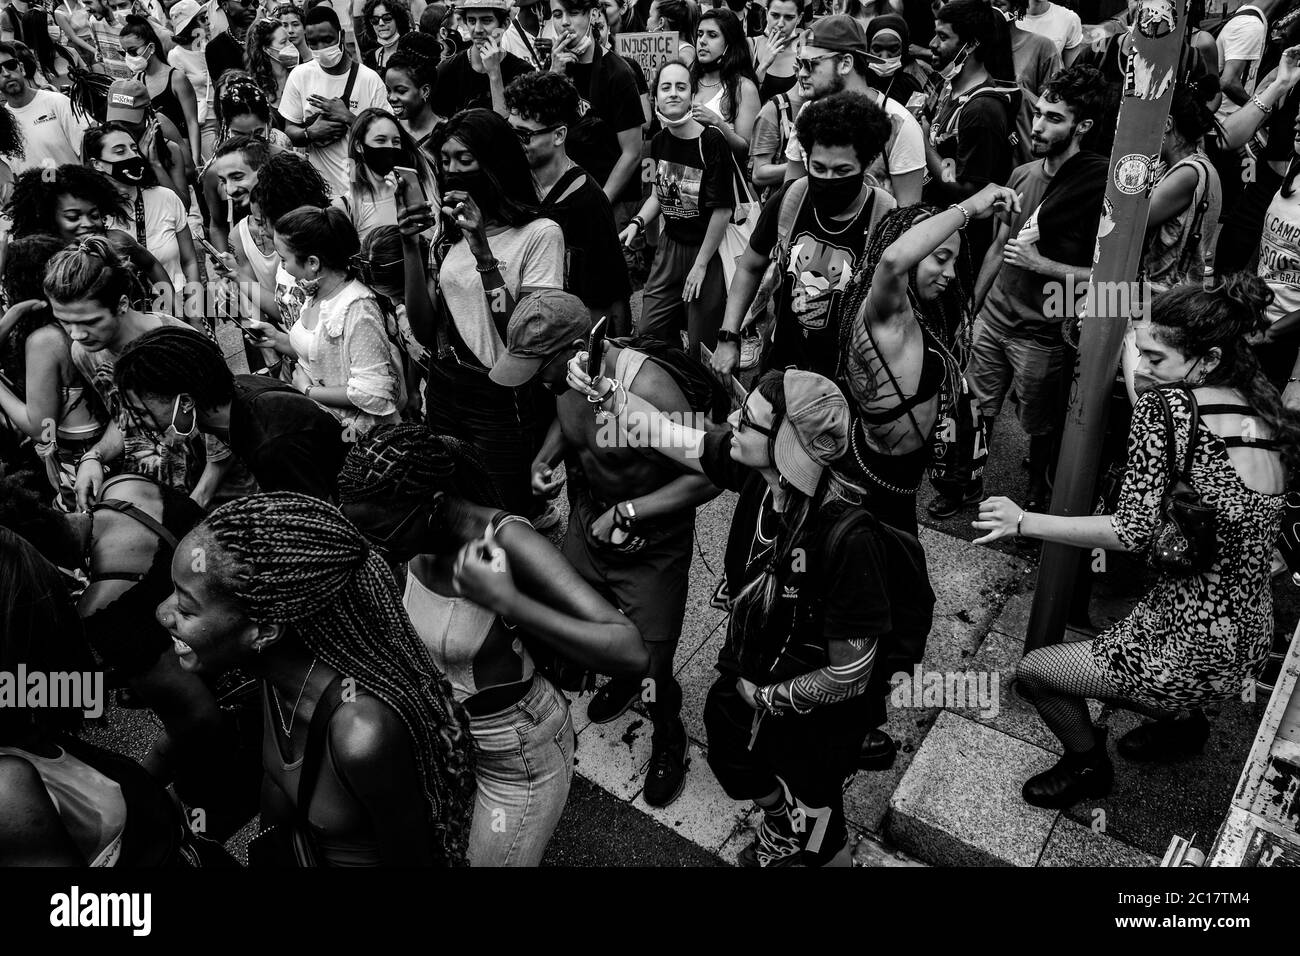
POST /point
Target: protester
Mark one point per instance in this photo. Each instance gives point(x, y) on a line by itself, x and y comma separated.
point(225, 50)
point(901, 76)
point(190, 25)
point(398, 788)
point(686, 286)
point(1058, 23)
point(290, 16)
point(676, 16)
point(50, 129)
point(724, 78)
point(833, 60)
point(170, 92)
point(479, 74)
point(386, 22)
point(409, 78)
point(1163, 659)
point(481, 587)
point(107, 19)
point(459, 307)
point(543, 109)
point(323, 97)
point(1240, 44)
point(774, 52)
point(163, 147)
point(377, 145)
point(270, 57)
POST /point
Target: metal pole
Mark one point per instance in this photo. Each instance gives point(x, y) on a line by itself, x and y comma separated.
point(1112, 297)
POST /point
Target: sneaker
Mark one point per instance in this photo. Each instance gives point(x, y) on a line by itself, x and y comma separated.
point(942, 506)
point(668, 761)
point(751, 350)
point(548, 519)
point(613, 700)
point(776, 844)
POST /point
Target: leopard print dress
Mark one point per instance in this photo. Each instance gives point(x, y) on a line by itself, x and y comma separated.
point(1193, 639)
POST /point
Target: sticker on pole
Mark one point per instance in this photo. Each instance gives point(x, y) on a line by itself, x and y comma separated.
point(1132, 173)
point(1157, 18)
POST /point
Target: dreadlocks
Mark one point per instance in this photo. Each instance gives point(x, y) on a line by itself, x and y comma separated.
point(407, 462)
point(173, 361)
point(293, 559)
point(946, 318)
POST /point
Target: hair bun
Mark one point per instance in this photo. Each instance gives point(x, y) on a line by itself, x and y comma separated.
point(1250, 297)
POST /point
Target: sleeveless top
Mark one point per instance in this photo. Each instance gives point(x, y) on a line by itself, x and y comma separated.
point(167, 103)
point(264, 265)
point(90, 804)
point(454, 628)
point(717, 101)
point(285, 773)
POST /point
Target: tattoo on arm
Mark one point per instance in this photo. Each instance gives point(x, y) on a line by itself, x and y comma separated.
point(831, 684)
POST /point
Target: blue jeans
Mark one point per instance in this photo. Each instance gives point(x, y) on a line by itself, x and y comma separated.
point(525, 767)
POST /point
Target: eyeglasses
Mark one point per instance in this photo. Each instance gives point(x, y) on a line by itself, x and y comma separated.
point(747, 422)
point(382, 18)
point(806, 64)
point(10, 66)
point(526, 135)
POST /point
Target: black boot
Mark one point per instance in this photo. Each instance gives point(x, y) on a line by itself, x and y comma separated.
point(1169, 739)
point(666, 774)
point(1075, 776)
point(878, 751)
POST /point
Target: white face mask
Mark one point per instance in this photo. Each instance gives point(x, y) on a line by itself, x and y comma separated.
point(889, 67)
point(681, 121)
point(958, 61)
point(288, 56)
point(580, 47)
point(136, 64)
point(331, 56)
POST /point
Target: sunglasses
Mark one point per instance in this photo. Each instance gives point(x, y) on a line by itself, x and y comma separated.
point(10, 66)
point(526, 135)
point(382, 18)
point(747, 422)
point(806, 64)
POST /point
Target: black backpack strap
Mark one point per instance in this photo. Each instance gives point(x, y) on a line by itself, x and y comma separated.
point(352, 81)
point(140, 515)
point(562, 185)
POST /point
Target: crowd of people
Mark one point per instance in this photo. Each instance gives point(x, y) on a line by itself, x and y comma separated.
point(310, 314)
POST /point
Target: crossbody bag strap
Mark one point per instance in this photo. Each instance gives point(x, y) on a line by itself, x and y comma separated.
point(352, 81)
point(1186, 473)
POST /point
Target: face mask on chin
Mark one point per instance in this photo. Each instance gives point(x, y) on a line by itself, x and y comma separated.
point(174, 436)
point(581, 47)
point(673, 123)
point(956, 63)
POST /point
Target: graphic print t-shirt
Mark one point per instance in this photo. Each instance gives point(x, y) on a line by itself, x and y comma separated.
point(692, 178)
point(821, 264)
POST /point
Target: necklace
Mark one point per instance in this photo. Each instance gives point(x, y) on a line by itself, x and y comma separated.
point(275, 697)
point(709, 86)
point(844, 228)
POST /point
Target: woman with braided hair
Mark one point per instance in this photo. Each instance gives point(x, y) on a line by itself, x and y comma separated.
point(475, 575)
point(283, 586)
point(908, 308)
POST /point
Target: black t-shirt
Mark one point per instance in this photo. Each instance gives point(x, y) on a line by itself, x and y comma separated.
point(821, 264)
point(223, 53)
point(609, 103)
point(459, 87)
point(594, 268)
point(287, 441)
point(692, 178)
point(825, 597)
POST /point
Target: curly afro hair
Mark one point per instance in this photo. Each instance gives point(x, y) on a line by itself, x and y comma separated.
point(546, 98)
point(35, 199)
point(844, 119)
point(286, 182)
point(11, 136)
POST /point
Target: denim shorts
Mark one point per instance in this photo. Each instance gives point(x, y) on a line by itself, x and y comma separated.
point(524, 769)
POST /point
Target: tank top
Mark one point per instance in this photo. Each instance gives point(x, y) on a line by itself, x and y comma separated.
point(454, 628)
point(90, 804)
point(167, 103)
point(264, 265)
point(76, 423)
point(717, 100)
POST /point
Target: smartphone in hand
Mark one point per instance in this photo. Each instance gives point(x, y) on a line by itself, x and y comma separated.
point(596, 349)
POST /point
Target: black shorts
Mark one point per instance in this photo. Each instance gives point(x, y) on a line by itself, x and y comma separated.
point(808, 755)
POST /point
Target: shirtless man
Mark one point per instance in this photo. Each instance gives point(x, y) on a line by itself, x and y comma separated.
point(631, 516)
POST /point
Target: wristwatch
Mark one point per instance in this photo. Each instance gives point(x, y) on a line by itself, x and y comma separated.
point(725, 335)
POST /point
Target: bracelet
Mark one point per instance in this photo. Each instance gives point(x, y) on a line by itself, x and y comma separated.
point(1018, 520)
point(600, 399)
point(309, 388)
point(91, 455)
point(965, 215)
point(639, 223)
point(763, 697)
point(1292, 380)
point(492, 266)
point(1263, 108)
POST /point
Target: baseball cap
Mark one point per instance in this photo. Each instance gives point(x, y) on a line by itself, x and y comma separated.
point(128, 100)
point(814, 431)
point(839, 34)
point(183, 13)
point(544, 323)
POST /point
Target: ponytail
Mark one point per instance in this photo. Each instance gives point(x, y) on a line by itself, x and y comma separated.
point(327, 234)
point(88, 271)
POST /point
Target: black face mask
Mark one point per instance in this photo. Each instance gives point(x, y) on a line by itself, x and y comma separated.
point(382, 159)
point(475, 183)
point(129, 171)
point(832, 196)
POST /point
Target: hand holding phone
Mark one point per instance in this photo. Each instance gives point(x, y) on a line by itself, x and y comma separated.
point(596, 349)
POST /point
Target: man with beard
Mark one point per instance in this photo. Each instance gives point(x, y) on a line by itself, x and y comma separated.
point(1017, 337)
point(834, 60)
point(51, 131)
point(475, 77)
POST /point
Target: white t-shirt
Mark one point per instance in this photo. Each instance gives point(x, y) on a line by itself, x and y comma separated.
point(52, 133)
point(904, 152)
point(1059, 24)
point(195, 67)
point(531, 256)
point(164, 216)
point(1279, 254)
point(1242, 38)
point(308, 78)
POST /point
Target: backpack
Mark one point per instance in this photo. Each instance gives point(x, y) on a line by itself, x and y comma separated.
point(704, 393)
point(1214, 25)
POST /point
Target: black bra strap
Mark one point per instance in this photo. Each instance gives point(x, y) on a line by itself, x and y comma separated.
point(140, 515)
point(1237, 441)
point(135, 576)
point(1227, 410)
